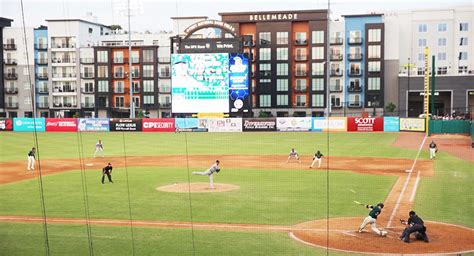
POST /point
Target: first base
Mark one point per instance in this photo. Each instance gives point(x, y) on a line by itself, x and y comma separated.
point(408, 170)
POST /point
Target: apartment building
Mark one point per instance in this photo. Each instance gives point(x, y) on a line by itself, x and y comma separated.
point(41, 71)
point(4, 23)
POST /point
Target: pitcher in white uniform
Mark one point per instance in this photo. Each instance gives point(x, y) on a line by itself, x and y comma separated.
point(31, 159)
point(99, 148)
point(215, 168)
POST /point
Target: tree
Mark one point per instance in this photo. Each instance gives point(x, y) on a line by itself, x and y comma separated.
point(390, 107)
point(115, 27)
point(140, 114)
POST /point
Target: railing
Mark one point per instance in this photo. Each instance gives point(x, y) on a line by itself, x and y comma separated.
point(164, 60)
point(265, 73)
point(118, 75)
point(354, 56)
point(62, 90)
point(164, 105)
point(164, 74)
point(136, 89)
point(9, 46)
point(119, 90)
point(54, 45)
point(135, 74)
point(317, 73)
point(354, 104)
point(300, 104)
point(87, 75)
point(66, 105)
point(135, 60)
point(87, 105)
point(355, 40)
point(42, 105)
point(64, 75)
point(63, 60)
point(165, 89)
point(41, 46)
point(336, 40)
point(301, 57)
point(301, 42)
point(335, 72)
point(335, 88)
point(87, 60)
point(42, 76)
point(374, 71)
point(301, 89)
point(354, 88)
point(41, 61)
point(11, 104)
point(336, 56)
point(356, 72)
point(84, 90)
point(147, 74)
point(119, 60)
point(11, 90)
point(11, 76)
point(42, 89)
point(10, 61)
point(300, 73)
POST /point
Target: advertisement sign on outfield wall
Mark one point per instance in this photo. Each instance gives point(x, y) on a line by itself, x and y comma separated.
point(125, 124)
point(28, 124)
point(412, 124)
point(190, 125)
point(294, 124)
point(332, 124)
point(391, 124)
point(61, 124)
point(158, 125)
point(93, 124)
point(224, 124)
point(6, 124)
point(258, 124)
point(365, 124)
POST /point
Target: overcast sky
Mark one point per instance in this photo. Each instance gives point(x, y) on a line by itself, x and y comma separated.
point(155, 15)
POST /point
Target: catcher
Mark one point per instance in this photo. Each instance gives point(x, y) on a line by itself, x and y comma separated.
point(414, 225)
point(215, 168)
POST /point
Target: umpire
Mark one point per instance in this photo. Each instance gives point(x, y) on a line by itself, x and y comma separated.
point(414, 224)
point(107, 171)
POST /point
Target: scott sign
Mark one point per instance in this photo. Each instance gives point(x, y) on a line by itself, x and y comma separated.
point(365, 124)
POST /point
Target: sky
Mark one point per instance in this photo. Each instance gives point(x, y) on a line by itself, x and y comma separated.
point(155, 15)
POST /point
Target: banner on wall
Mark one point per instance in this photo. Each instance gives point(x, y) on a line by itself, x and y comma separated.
point(224, 124)
point(28, 124)
point(333, 124)
point(391, 124)
point(6, 124)
point(125, 124)
point(190, 124)
point(93, 124)
point(365, 124)
point(61, 124)
point(258, 124)
point(296, 124)
point(412, 124)
point(158, 125)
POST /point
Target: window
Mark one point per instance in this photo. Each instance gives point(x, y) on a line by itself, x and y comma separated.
point(317, 69)
point(118, 87)
point(136, 86)
point(165, 100)
point(354, 100)
point(441, 56)
point(300, 69)
point(27, 100)
point(463, 56)
point(102, 56)
point(135, 71)
point(318, 100)
point(265, 69)
point(375, 51)
point(265, 38)
point(282, 100)
point(103, 86)
point(118, 72)
point(317, 84)
point(317, 37)
point(119, 102)
point(463, 41)
point(462, 69)
point(301, 38)
point(265, 100)
point(355, 69)
point(282, 37)
point(375, 35)
point(421, 56)
point(148, 70)
point(148, 86)
point(102, 72)
point(421, 42)
point(442, 27)
point(354, 84)
point(336, 101)
point(374, 66)
point(148, 100)
point(148, 55)
point(118, 57)
point(265, 54)
point(165, 86)
point(422, 28)
point(135, 56)
point(136, 101)
point(301, 100)
point(301, 85)
point(374, 83)
point(282, 69)
point(282, 53)
point(282, 85)
point(317, 53)
point(441, 41)
point(463, 26)
point(420, 71)
point(164, 70)
point(442, 70)
point(354, 36)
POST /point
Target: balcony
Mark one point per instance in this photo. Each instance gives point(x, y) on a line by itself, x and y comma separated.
point(301, 73)
point(335, 88)
point(86, 60)
point(374, 71)
point(354, 88)
point(354, 104)
point(42, 105)
point(64, 60)
point(87, 91)
point(336, 72)
point(317, 73)
point(354, 72)
point(10, 76)
point(301, 57)
point(165, 89)
point(67, 45)
point(10, 62)
point(65, 105)
point(41, 61)
point(64, 75)
point(11, 104)
point(164, 74)
point(9, 47)
point(136, 89)
point(336, 56)
point(336, 40)
point(300, 104)
point(64, 90)
point(41, 46)
point(135, 74)
point(42, 76)
point(301, 89)
point(43, 89)
point(301, 42)
point(11, 90)
point(354, 56)
point(119, 60)
point(336, 105)
point(119, 75)
point(165, 105)
point(87, 105)
point(88, 75)
point(265, 73)
point(164, 60)
point(135, 60)
point(120, 90)
point(355, 40)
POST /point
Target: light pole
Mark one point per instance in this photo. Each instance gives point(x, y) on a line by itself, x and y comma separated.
point(328, 62)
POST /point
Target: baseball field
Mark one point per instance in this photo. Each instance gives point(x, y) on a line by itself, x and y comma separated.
point(261, 204)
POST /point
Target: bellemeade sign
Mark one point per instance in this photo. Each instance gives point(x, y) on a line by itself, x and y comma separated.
point(273, 17)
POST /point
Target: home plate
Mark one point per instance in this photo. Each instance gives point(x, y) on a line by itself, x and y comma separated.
point(89, 164)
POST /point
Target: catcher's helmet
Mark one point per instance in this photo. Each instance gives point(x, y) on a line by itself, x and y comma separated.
point(380, 205)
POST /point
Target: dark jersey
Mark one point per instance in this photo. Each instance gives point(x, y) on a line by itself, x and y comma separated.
point(375, 211)
point(31, 153)
point(318, 156)
point(432, 145)
point(415, 220)
point(107, 170)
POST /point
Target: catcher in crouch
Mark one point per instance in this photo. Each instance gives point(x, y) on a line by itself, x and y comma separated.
point(372, 219)
point(414, 225)
point(215, 168)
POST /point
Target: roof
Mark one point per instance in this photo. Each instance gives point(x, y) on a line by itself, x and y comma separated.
point(270, 12)
point(362, 15)
point(4, 22)
point(80, 20)
point(189, 17)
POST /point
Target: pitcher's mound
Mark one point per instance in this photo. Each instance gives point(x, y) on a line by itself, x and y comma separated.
point(197, 187)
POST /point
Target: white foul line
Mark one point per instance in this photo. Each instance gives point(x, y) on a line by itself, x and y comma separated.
point(405, 185)
point(413, 192)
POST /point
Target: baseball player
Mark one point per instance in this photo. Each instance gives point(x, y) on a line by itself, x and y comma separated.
point(107, 171)
point(215, 168)
point(372, 219)
point(293, 154)
point(99, 148)
point(317, 158)
point(433, 150)
point(31, 159)
point(414, 224)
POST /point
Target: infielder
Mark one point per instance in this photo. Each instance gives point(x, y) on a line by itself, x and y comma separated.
point(317, 158)
point(414, 224)
point(31, 159)
point(107, 171)
point(433, 150)
point(215, 168)
point(293, 154)
point(372, 219)
point(99, 148)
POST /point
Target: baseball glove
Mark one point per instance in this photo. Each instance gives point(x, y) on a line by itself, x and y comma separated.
point(218, 170)
point(436, 150)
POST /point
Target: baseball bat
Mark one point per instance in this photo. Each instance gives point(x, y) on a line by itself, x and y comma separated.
point(359, 203)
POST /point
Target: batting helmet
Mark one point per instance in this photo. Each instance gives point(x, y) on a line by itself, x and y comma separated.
point(380, 205)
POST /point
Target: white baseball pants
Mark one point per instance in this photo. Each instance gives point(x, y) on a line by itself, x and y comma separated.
point(373, 225)
point(31, 163)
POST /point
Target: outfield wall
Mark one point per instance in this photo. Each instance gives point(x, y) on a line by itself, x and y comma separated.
point(276, 124)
